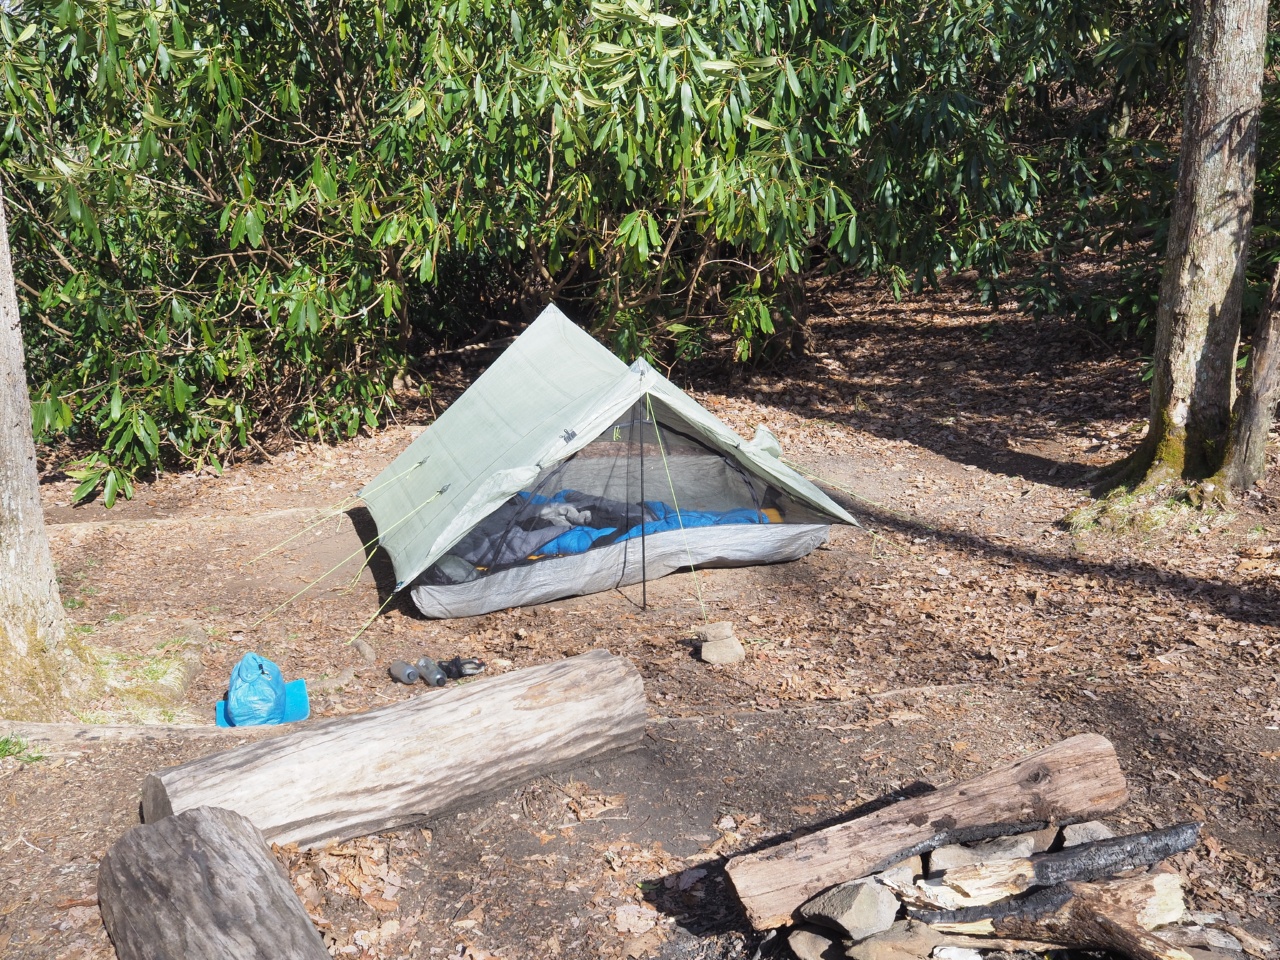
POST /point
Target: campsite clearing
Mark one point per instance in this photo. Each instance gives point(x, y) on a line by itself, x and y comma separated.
point(962, 628)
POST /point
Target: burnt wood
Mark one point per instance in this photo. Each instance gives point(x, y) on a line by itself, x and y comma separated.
point(1088, 861)
point(1114, 915)
point(1077, 779)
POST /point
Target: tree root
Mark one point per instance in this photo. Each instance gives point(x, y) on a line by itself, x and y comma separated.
point(1125, 499)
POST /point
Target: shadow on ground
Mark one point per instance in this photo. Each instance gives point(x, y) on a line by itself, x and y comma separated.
point(977, 386)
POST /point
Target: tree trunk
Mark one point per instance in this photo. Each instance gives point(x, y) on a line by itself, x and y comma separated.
point(1259, 392)
point(1198, 318)
point(32, 627)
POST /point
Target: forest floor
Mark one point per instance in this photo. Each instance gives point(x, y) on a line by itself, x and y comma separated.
point(963, 625)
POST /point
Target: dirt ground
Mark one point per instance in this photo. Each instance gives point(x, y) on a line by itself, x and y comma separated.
point(962, 625)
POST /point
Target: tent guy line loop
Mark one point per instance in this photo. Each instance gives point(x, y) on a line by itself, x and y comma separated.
point(369, 555)
point(341, 563)
point(328, 513)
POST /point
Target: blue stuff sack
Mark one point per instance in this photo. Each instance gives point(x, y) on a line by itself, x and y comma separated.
point(255, 695)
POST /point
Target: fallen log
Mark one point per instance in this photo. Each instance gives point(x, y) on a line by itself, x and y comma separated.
point(1077, 779)
point(76, 733)
point(1115, 915)
point(998, 879)
point(354, 775)
point(202, 885)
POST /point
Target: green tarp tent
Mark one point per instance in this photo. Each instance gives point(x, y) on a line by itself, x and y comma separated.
point(563, 471)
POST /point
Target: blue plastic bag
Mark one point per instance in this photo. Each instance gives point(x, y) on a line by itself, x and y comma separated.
point(258, 695)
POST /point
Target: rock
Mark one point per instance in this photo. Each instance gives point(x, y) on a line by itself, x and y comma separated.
point(956, 953)
point(905, 940)
point(904, 872)
point(332, 684)
point(861, 908)
point(719, 644)
point(366, 652)
point(1079, 833)
point(1042, 840)
point(1001, 848)
point(710, 632)
point(810, 943)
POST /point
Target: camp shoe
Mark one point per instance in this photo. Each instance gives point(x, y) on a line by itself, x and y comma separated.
point(460, 667)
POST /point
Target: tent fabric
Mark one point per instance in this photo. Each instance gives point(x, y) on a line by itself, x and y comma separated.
point(548, 396)
point(620, 565)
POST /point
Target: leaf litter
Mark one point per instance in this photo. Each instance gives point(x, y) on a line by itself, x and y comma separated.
point(964, 624)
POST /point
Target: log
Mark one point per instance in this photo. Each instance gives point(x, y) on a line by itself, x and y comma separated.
point(70, 734)
point(995, 943)
point(1115, 915)
point(1077, 779)
point(996, 880)
point(349, 776)
point(202, 885)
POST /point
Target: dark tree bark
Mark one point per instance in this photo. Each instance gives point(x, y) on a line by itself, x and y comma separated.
point(1198, 318)
point(32, 627)
point(1259, 392)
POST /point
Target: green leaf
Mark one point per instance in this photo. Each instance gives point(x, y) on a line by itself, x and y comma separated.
point(792, 80)
point(110, 490)
point(182, 394)
point(87, 487)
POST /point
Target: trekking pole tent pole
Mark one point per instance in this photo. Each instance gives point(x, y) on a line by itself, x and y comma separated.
point(675, 501)
point(644, 569)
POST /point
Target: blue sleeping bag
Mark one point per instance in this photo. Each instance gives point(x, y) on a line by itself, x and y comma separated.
point(581, 539)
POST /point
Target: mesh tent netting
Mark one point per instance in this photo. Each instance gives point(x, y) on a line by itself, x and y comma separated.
point(641, 500)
